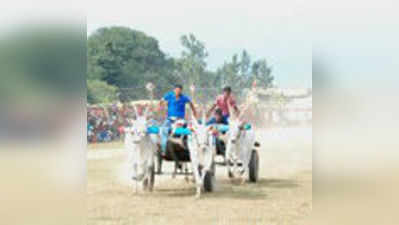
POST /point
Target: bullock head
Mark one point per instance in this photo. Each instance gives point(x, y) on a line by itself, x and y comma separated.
point(236, 124)
point(235, 128)
point(201, 132)
point(139, 126)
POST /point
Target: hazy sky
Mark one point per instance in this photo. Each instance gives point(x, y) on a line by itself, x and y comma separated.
point(351, 39)
point(276, 33)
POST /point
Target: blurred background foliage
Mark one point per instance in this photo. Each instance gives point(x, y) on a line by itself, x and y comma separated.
point(42, 62)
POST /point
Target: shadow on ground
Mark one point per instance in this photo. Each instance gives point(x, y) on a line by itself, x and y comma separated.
point(276, 183)
point(228, 189)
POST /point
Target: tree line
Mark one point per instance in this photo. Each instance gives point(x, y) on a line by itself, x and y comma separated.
point(120, 61)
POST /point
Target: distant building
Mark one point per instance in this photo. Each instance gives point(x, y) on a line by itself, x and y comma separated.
point(286, 92)
point(285, 105)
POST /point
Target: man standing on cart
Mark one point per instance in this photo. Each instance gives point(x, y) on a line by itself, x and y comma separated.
point(176, 102)
point(223, 101)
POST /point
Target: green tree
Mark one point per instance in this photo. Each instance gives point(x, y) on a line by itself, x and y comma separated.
point(100, 92)
point(192, 63)
point(245, 64)
point(229, 73)
point(240, 72)
point(262, 73)
point(127, 59)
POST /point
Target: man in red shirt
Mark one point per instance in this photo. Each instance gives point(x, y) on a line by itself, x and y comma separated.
point(222, 102)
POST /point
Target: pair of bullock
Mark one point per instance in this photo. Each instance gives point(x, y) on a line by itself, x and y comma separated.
point(143, 145)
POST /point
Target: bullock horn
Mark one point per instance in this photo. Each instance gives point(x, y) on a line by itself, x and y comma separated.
point(231, 111)
point(136, 111)
point(203, 116)
point(146, 110)
point(195, 122)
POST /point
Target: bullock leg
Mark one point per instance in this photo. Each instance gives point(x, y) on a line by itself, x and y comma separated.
point(195, 167)
point(143, 176)
point(133, 175)
point(174, 172)
point(245, 155)
point(198, 191)
point(198, 181)
point(132, 166)
point(147, 177)
point(151, 178)
point(151, 172)
point(234, 160)
point(185, 172)
point(239, 157)
point(159, 160)
point(235, 166)
point(228, 157)
point(145, 184)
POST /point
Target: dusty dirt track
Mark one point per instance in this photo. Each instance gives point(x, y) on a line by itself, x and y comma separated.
point(283, 194)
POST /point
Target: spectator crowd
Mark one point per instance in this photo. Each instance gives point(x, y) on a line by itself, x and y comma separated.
point(106, 123)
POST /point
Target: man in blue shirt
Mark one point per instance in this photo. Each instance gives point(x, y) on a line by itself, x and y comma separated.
point(176, 102)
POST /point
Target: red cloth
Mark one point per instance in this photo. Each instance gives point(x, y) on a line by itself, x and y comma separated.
point(121, 130)
point(221, 103)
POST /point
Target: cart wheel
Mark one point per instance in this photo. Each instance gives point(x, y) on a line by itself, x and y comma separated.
point(229, 173)
point(209, 179)
point(254, 167)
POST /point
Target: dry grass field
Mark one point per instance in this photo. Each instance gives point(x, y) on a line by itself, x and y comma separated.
point(283, 194)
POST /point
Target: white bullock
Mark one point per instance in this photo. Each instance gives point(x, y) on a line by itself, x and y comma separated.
point(239, 147)
point(141, 151)
point(202, 151)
